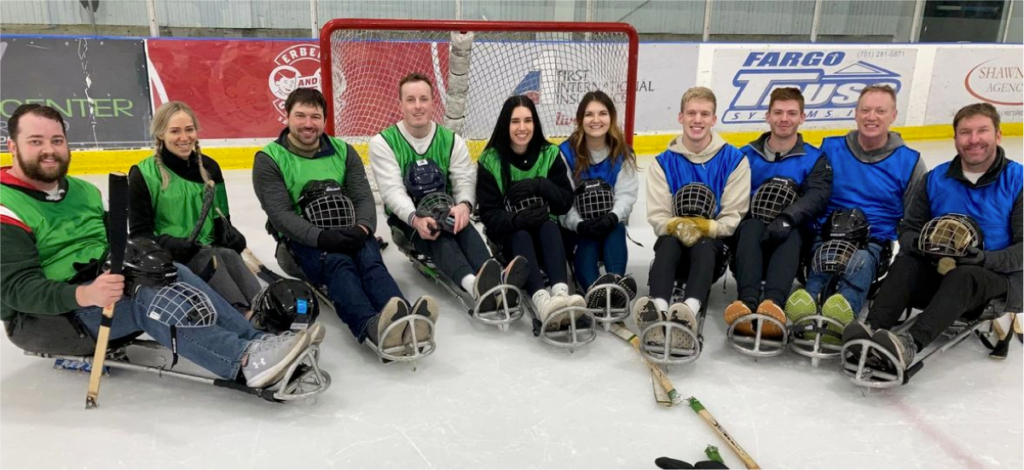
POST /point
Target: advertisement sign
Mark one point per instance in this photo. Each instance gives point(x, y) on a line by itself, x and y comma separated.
point(98, 85)
point(830, 79)
point(965, 75)
point(236, 88)
point(665, 72)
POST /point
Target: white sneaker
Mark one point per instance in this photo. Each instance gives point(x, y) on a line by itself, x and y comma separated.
point(270, 356)
point(682, 313)
point(546, 304)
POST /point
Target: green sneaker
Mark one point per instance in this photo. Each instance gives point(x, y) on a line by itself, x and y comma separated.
point(837, 308)
point(800, 305)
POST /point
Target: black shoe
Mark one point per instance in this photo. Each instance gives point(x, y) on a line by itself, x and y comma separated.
point(854, 331)
point(597, 300)
point(900, 345)
point(629, 285)
point(515, 274)
point(487, 278)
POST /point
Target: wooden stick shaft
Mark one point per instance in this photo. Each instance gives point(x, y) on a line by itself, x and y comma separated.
point(656, 373)
point(722, 433)
point(102, 340)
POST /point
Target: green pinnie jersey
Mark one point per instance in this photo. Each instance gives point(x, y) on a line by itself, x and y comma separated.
point(439, 151)
point(66, 232)
point(297, 171)
point(492, 162)
point(176, 208)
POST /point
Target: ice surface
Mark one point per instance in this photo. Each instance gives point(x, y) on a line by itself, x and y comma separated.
point(492, 400)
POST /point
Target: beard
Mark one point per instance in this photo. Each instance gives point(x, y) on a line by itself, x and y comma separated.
point(35, 171)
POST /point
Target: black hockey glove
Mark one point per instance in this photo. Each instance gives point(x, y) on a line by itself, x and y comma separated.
point(596, 229)
point(531, 217)
point(346, 240)
point(523, 189)
point(226, 235)
point(181, 249)
point(908, 244)
point(974, 257)
point(778, 230)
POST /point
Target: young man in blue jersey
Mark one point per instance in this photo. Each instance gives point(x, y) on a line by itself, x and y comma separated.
point(983, 184)
point(779, 153)
point(691, 247)
point(878, 174)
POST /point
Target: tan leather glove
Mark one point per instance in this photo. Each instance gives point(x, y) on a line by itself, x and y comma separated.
point(689, 230)
point(946, 265)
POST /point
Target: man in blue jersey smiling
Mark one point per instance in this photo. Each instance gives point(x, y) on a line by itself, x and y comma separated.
point(878, 174)
point(981, 187)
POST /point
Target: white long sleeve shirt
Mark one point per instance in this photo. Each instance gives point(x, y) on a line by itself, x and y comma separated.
point(391, 185)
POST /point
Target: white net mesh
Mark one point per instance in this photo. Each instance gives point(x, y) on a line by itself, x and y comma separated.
point(474, 72)
point(182, 306)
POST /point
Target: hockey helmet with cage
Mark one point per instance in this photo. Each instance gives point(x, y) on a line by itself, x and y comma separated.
point(146, 263)
point(847, 224)
point(594, 198)
point(424, 178)
point(695, 200)
point(950, 235)
point(833, 257)
point(527, 202)
point(324, 204)
point(438, 206)
point(283, 304)
point(773, 197)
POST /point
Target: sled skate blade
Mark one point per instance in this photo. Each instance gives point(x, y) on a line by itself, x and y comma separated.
point(758, 345)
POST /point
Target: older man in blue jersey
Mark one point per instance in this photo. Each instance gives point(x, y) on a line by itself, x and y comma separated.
point(982, 184)
point(878, 174)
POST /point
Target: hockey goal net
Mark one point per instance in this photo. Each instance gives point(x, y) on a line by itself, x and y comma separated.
point(475, 67)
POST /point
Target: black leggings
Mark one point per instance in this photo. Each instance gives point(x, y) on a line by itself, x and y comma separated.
point(697, 264)
point(752, 256)
point(542, 247)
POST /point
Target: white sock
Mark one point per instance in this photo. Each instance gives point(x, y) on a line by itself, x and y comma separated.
point(694, 305)
point(467, 283)
point(662, 305)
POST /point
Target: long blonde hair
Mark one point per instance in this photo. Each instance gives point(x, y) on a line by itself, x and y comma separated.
point(161, 120)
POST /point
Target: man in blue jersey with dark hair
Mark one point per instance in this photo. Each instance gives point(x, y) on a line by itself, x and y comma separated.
point(981, 184)
point(878, 174)
point(768, 242)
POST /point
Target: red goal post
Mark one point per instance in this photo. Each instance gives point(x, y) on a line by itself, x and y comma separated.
point(475, 67)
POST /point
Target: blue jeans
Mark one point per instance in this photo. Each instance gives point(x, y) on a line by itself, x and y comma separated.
point(359, 285)
point(612, 250)
point(855, 283)
point(218, 348)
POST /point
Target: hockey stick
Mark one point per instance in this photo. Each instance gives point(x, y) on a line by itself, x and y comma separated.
point(117, 235)
point(258, 268)
point(656, 373)
point(660, 378)
point(209, 191)
point(698, 408)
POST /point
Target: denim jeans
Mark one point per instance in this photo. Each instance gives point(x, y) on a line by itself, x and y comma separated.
point(855, 283)
point(359, 284)
point(218, 348)
point(612, 250)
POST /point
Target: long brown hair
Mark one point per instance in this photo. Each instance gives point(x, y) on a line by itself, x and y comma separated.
point(614, 139)
point(161, 120)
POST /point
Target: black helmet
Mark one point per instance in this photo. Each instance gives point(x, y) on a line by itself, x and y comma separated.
point(146, 264)
point(282, 303)
point(950, 235)
point(695, 200)
point(772, 197)
point(594, 198)
point(847, 224)
point(424, 178)
point(325, 205)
